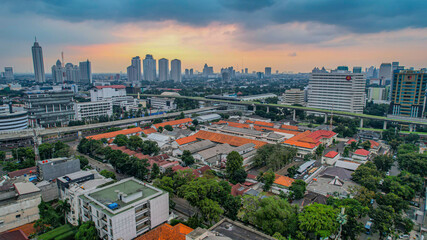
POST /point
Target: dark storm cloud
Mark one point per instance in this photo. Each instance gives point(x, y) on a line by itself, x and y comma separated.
point(355, 15)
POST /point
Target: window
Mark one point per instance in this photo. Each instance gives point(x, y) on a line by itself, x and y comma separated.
point(18, 216)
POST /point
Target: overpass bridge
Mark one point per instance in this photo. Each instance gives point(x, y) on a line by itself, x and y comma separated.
point(28, 133)
point(411, 122)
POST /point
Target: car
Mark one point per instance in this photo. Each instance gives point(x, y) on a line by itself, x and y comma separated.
point(406, 236)
point(388, 173)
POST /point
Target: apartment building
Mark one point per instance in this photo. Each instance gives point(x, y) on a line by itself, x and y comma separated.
point(126, 209)
point(91, 110)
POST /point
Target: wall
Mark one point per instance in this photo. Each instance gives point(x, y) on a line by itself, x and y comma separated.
point(26, 207)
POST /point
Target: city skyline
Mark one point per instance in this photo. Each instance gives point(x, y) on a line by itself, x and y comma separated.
point(285, 35)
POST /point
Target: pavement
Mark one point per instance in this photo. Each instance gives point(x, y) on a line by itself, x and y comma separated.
point(183, 207)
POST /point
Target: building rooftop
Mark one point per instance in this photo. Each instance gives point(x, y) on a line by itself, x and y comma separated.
point(362, 152)
point(198, 146)
point(185, 140)
point(149, 131)
point(26, 188)
point(305, 165)
point(111, 86)
point(347, 165)
point(74, 176)
point(167, 232)
point(115, 133)
point(123, 193)
point(225, 138)
point(331, 154)
point(283, 180)
point(173, 123)
point(237, 231)
point(17, 173)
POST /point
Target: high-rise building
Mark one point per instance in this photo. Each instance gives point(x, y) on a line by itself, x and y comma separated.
point(176, 70)
point(339, 90)
point(163, 69)
point(395, 65)
point(268, 71)
point(85, 73)
point(191, 72)
point(149, 65)
point(246, 70)
point(132, 73)
point(136, 62)
point(72, 72)
point(207, 70)
point(58, 72)
point(408, 93)
point(38, 63)
point(385, 73)
point(357, 69)
point(293, 96)
point(8, 73)
point(187, 73)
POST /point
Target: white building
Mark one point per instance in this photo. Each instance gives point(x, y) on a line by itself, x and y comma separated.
point(338, 90)
point(101, 93)
point(176, 70)
point(149, 65)
point(58, 72)
point(163, 69)
point(208, 118)
point(293, 96)
point(126, 209)
point(38, 63)
point(90, 110)
point(134, 70)
point(162, 103)
point(72, 72)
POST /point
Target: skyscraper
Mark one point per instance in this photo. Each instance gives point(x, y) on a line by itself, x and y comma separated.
point(8, 73)
point(246, 70)
point(176, 70)
point(191, 72)
point(385, 73)
point(149, 65)
point(85, 72)
point(38, 62)
point(207, 70)
point(136, 62)
point(72, 72)
point(408, 93)
point(163, 69)
point(338, 90)
point(268, 71)
point(132, 73)
point(58, 72)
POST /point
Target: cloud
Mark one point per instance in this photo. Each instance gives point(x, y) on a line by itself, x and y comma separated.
point(294, 54)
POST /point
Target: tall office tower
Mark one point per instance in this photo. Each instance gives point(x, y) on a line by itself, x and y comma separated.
point(187, 73)
point(38, 63)
point(85, 72)
point(408, 93)
point(8, 73)
point(176, 70)
point(132, 73)
point(58, 72)
point(149, 65)
point(207, 70)
point(357, 69)
point(339, 90)
point(72, 72)
point(163, 69)
point(268, 71)
point(191, 72)
point(246, 70)
point(136, 62)
point(370, 72)
point(394, 65)
point(385, 73)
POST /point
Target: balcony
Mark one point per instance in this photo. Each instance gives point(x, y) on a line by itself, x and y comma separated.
point(142, 218)
point(141, 210)
point(143, 226)
point(105, 228)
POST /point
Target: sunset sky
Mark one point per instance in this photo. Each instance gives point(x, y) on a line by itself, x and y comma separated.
point(287, 35)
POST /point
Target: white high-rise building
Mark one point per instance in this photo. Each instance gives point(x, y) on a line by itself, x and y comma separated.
point(149, 65)
point(72, 72)
point(163, 69)
point(385, 73)
point(176, 70)
point(134, 70)
point(58, 72)
point(38, 63)
point(338, 90)
point(85, 72)
point(8, 73)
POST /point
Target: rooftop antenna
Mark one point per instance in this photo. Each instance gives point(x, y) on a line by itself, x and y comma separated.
point(62, 56)
point(35, 38)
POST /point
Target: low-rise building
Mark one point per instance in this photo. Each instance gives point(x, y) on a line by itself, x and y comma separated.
point(330, 158)
point(293, 96)
point(166, 232)
point(361, 155)
point(91, 110)
point(51, 169)
point(126, 209)
point(162, 103)
point(307, 142)
point(174, 123)
point(111, 135)
point(18, 204)
point(281, 183)
point(208, 118)
point(193, 147)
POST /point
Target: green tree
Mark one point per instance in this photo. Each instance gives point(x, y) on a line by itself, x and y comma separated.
point(391, 199)
point(211, 210)
point(195, 122)
point(134, 142)
point(187, 158)
point(346, 152)
point(158, 120)
point(45, 151)
point(319, 220)
point(169, 128)
point(383, 162)
point(155, 171)
point(150, 148)
point(87, 231)
point(108, 174)
point(292, 171)
point(414, 163)
point(319, 151)
point(121, 140)
point(268, 180)
point(412, 138)
point(383, 220)
point(83, 161)
point(366, 145)
point(234, 168)
point(2, 156)
point(274, 156)
point(367, 175)
point(63, 208)
point(298, 189)
point(160, 129)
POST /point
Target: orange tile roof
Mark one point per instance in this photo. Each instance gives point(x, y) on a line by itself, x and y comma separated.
point(374, 144)
point(298, 141)
point(283, 180)
point(173, 123)
point(149, 131)
point(185, 140)
point(362, 152)
point(235, 124)
point(259, 128)
point(249, 121)
point(350, 141)
point(114, 134)
point(290, 127)
point(224, 138)
point(167, 232)
point(331, 154)
point(28, 229)
point(260, 123)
